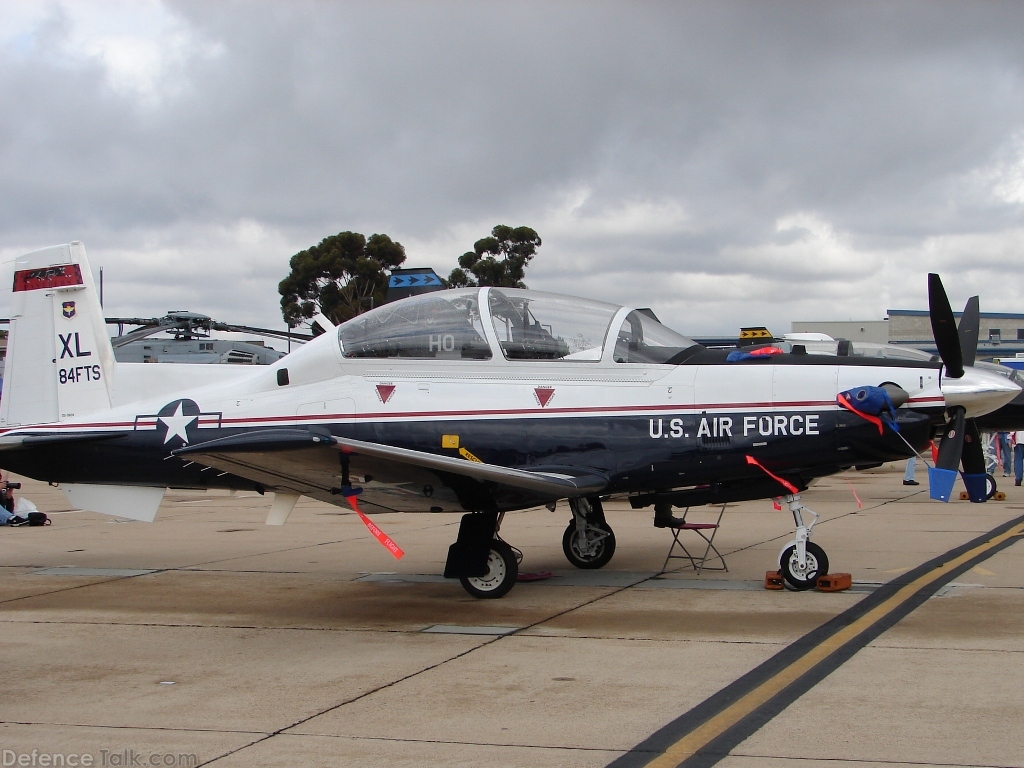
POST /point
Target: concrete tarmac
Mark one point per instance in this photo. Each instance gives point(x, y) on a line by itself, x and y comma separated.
point(208, 637)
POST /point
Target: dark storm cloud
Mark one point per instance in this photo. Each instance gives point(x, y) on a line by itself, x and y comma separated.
point(717, 160)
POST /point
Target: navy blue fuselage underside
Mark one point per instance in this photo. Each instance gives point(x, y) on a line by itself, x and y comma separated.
point(637, 453)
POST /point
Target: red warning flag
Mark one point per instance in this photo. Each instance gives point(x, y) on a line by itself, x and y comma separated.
point(378, 534)
point(843, 399)
point(853, 490)
point(784, 483)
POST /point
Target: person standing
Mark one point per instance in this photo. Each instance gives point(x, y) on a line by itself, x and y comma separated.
point(1018, 456)
point(988, 447)
point(908, 476)
point(1005, 452)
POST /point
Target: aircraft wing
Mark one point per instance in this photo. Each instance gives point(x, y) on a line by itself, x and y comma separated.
point(306, 462)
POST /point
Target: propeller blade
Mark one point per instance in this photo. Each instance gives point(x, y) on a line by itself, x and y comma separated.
point(968, 329)
point(961, 445)
point(973, 462)
point(952, 445)
point(972, 458)
point(942, 476)
point(944, 330)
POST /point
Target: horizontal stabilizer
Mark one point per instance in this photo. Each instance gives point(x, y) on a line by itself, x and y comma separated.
point(54, 438)
point(133, 502)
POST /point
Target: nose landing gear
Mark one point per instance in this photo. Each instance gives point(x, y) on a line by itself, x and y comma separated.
point(801, 561)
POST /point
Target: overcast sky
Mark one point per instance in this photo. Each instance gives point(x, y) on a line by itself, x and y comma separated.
point(724, 163)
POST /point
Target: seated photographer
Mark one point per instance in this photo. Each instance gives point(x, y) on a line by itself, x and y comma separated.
point(7, 516)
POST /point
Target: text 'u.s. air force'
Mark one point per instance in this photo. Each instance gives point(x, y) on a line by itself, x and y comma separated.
point(772, 425)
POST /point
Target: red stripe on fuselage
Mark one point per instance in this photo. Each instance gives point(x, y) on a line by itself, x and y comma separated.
point(601, 409)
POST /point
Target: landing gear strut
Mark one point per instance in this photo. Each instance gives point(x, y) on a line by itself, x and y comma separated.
point(802, 561)
point(486, 566)
point(588, 541)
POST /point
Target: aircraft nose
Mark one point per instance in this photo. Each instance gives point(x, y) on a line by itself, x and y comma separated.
point(978, 391)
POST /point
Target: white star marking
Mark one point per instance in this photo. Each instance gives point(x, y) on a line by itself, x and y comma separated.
point(177, 425)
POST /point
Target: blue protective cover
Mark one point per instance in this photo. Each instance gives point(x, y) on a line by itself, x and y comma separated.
point(940, 483)
point(874, 401)
point(977, 487)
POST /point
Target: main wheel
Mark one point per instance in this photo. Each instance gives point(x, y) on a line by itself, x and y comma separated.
point(597, 555)
point(502, 572)
point(816, 564)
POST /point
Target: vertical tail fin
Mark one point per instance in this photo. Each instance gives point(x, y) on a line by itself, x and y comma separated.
point(60, 363)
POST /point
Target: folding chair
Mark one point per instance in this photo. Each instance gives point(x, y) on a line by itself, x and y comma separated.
point(701, 529)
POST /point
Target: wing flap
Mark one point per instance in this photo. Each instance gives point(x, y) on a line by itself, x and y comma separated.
point(562, 482)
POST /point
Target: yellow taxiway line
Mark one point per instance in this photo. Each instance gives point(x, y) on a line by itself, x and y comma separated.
point(704, 734)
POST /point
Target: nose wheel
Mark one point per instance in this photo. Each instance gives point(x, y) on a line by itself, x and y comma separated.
point(801, 576)
point(802, 561)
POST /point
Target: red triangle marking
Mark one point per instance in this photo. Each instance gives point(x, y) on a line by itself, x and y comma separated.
point(384, 392)
point(544, 395)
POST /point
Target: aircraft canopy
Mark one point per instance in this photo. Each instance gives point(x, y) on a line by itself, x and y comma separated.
point(523, 325)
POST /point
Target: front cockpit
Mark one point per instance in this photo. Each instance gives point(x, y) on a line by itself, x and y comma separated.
point(510, 324)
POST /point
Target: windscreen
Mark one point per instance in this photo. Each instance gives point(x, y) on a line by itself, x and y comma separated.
point(642, 339)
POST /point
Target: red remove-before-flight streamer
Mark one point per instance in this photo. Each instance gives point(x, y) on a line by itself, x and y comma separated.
point(386, 541)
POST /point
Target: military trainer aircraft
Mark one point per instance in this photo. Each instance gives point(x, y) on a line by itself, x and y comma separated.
point(479, 400)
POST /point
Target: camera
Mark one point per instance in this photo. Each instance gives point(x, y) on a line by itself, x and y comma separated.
point(14, 486)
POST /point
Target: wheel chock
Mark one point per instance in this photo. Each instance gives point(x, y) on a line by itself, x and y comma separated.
point(964, 496)
point(999, 496)
point(834, 582)
point(773, 580)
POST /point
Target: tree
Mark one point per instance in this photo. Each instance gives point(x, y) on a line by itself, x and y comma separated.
point(500, 259)
point(344, 275)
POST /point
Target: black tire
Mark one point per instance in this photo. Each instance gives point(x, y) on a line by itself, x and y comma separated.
point(990, 487)
point(603, 551)
point(502, 572)
point(817, 565)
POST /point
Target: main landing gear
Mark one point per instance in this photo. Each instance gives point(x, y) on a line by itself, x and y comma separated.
point(486, 566)
point(588, 541)
point(801, 561)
